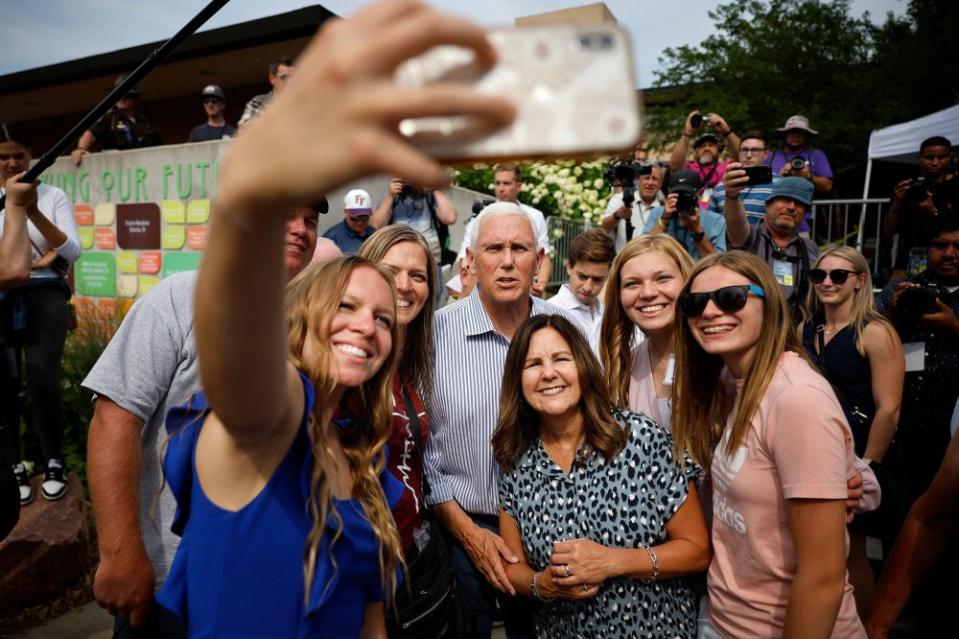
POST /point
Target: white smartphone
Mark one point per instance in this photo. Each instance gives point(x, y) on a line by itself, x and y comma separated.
point(573, 85)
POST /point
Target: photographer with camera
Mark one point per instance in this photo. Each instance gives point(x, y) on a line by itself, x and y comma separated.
point(430, 213)
point(800, 160)
point(626, 214)
point(925, 312)
point(701, 232)
point(917, 201)
point(706, 148)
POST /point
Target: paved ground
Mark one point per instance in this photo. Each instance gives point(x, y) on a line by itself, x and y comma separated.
point(86, 622)
point(92, 622)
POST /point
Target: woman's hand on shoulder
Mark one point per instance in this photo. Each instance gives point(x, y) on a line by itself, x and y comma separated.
point(337, 119)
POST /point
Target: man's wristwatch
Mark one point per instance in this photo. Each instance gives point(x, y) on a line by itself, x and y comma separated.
point(698, 237)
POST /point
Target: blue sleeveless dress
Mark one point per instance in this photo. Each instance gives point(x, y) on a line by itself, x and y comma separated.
point(240, 573)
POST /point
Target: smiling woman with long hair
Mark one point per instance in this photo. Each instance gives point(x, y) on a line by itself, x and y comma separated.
point(644, 282)
point(752, 409)
point(859, 352)
point(277, 467)
point(592, 501)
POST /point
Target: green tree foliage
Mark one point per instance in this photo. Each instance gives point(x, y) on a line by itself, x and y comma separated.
point(769, 59)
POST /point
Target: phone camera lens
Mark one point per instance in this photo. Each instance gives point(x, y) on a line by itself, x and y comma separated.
point(596, 41)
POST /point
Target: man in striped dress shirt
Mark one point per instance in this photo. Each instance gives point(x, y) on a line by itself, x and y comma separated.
point(472, 337)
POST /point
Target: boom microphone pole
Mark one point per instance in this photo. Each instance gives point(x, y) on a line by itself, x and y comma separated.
point(155, 58)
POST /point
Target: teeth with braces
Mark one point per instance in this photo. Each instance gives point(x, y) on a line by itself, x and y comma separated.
point(715, 330)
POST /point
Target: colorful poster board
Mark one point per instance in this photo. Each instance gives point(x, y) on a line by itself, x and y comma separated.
point(141, 216)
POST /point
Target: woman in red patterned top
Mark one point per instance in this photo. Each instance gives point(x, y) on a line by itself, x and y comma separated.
point(404, 252)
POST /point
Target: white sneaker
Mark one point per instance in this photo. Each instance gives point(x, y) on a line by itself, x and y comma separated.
point(54, 482)
point(23, 481)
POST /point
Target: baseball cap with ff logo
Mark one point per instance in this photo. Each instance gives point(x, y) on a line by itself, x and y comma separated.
point(358, 202)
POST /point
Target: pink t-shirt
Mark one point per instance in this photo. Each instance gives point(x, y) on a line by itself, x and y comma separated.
point(798, 446)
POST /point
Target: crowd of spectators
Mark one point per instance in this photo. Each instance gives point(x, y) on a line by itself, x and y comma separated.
point(693, 437)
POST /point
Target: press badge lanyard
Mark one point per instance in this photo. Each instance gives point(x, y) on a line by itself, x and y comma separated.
point(799, 291)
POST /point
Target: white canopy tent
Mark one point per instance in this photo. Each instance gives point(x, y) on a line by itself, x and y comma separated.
point(900, 143)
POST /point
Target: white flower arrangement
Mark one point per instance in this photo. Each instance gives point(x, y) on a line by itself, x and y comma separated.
point(568, 189)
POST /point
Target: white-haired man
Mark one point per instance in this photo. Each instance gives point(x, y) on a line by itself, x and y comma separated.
point(472, 337)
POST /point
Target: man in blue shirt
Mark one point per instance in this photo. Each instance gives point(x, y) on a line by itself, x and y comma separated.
point(753, 151)
point(350, 234)
point(700, 231)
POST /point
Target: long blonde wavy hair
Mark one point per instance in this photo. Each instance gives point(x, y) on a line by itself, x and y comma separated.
point(618, 331)
point(699, 406)
point(312, 298)
point(863, 303)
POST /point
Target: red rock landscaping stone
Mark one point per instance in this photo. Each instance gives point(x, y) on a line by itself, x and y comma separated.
point(47, 551)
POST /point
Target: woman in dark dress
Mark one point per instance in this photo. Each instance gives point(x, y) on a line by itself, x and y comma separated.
point(859, 352)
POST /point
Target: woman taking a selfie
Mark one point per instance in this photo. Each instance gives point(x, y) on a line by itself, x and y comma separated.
point(769, 427)
point(276, 467)
point(592, 502)
point(644, 282)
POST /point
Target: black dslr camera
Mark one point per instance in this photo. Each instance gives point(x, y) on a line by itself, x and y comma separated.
point(918, 191)
point(479, 205)
point(797, 164)
point(914, 302)
point(623, 174)
point(698, 120)
point(408, 190)
point(685, 203)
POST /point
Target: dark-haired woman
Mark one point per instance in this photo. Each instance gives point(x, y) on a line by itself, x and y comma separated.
point(592, 500)
point(779, 450)
point(34, 319)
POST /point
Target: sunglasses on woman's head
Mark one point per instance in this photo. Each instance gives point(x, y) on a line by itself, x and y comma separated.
point(728, 299)
point(836, 275)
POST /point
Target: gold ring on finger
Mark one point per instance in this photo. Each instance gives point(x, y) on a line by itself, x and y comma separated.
point(566, 568)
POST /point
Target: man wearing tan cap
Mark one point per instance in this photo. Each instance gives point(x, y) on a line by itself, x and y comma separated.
point(798, 158)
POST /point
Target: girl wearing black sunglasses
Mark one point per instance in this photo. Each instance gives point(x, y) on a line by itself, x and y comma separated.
point(860, 353)
point(770, 429)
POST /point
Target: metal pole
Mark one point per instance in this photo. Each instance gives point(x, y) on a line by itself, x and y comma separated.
point(155, 58)
point(862, 213)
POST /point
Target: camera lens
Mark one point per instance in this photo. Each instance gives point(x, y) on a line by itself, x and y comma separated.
point(916, 302)
point(797, 164)
point(696, 121)
point(917, 191)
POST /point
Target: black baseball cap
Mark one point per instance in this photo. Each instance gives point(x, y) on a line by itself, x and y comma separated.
point(685, 181)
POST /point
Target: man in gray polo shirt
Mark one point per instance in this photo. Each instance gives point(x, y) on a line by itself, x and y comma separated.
point(472, 337)
point(149, 366)
point(776, 240)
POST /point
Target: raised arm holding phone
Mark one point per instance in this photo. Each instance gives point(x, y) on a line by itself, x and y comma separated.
point(273, 379)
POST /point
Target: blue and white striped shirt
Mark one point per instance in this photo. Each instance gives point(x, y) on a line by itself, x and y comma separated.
point(470, 355)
